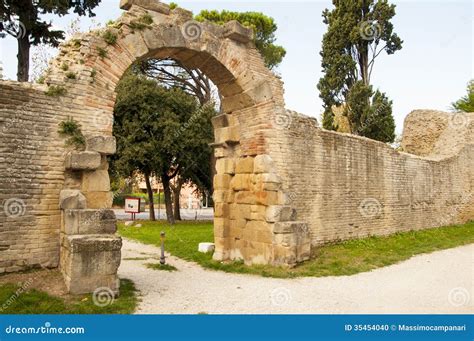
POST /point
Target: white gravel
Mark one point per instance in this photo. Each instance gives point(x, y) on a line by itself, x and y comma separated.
point(438, 283)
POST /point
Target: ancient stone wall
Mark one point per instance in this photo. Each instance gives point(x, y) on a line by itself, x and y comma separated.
point(282, 184)
point(344, 186)
point(31, 176)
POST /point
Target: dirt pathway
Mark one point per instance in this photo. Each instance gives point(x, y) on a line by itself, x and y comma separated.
point(440, 282)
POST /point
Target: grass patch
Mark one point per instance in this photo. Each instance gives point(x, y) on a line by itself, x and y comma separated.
point(346, 258)
point(163, 267)
point(33, 301)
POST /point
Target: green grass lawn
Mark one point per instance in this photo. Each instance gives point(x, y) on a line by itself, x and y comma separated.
point(344, 258)
point(33, 301)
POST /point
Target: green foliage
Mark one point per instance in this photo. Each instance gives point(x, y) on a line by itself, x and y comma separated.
point(33, 301)
point(143, 22)
point(466, 103)
point(356, 35)
point(72, 130)
point(341, 259)
point(173, 5)
point(110, 37)
point(37, 27)
point(119, 200)
point(264, 28)
point(161, 130)
point(70, 75)
point(64, 66)
point(41, 79)
point(102, 52)
point(55, 91)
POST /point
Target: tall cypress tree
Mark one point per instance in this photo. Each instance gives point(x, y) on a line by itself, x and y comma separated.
point(358, 32)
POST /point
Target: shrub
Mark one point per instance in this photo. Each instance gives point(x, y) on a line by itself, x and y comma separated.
point(71, 75)
point(72, 129)
point(56, 91)
point(110, 37)
point(142, 23)
point(102, 52)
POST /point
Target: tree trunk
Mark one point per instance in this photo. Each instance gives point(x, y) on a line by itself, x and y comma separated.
point(165, 179)
point(151, 204)
point(23, 58)
point(176, 194)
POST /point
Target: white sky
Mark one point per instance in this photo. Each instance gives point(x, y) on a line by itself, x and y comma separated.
point(430, 72)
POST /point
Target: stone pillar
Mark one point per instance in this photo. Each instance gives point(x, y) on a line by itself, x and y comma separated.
point(90, 250)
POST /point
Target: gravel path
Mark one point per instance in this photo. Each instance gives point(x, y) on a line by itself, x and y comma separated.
point(440, 282)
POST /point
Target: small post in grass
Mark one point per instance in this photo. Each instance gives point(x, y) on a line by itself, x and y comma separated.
point(162, 258)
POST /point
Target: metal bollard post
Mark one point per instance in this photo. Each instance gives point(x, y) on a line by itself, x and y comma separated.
point(162, 258)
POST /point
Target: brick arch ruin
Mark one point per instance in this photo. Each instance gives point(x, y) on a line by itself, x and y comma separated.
point(248, 194)
point(283, 185)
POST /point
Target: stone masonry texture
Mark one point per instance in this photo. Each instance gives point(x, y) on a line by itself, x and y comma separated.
point(283, 185)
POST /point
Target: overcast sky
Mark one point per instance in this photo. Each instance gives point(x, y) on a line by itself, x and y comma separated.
point(430, 72)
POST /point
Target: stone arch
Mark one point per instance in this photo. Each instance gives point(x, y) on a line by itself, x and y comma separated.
point(251, 220)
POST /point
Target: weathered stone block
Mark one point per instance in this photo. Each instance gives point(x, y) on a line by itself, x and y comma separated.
point(151, 5)
point(258, 212)
point(222, 181)
point(220, 121)
point(222, 196)
point(89, 262)
point(289, 227)
point(206, 247)
point(96, 181)
point(71, 199)
point(234, 30)
point(92, 243)
point(83, 160)
point(280, 213)
point(221, 210)
point(240, 182)
point(240, 211)
point(227, 134)
point(244, 165)
point(245, 197)
point(98, 199)
point(89, 222)
point(225, 166)
point(258, 225)
point(102, 144)
point(267, 198)
point(263, 164)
